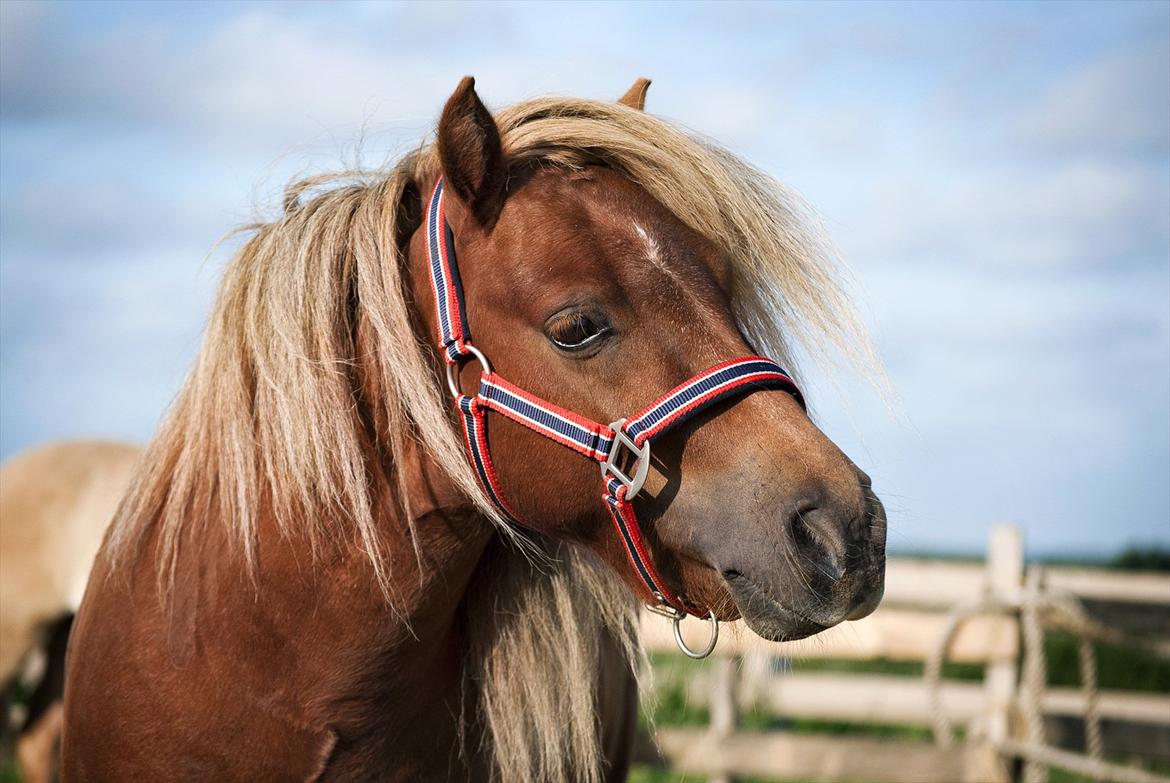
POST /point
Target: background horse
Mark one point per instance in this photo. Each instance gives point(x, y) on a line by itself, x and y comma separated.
point(56, 502)
point(308, 579)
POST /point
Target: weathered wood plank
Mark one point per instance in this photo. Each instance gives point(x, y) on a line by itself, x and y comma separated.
point(1139, 587)
point(932, 583)
point(808, 757)
point(899, 634)
point(876, 698)
point(864, 698)
point(942, 584)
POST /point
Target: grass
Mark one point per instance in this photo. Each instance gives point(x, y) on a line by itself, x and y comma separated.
point(1120, 668)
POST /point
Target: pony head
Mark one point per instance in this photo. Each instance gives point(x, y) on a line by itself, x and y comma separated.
point(586, 286)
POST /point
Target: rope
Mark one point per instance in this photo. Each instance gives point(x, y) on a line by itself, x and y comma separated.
point(1075, 762)
point(1034, 674)
point(1039, 607)
point(1088, 662)
point(932, 673)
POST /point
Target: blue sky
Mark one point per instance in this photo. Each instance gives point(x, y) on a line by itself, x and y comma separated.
point(997, 176)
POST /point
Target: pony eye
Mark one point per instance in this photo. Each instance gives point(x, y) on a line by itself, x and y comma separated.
point(577, 331)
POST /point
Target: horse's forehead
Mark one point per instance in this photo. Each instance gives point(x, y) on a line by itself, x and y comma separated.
point(598, 222)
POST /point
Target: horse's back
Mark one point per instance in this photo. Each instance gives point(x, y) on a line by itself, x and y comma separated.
point(56, 502)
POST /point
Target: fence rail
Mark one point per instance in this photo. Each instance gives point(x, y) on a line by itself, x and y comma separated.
point(807, 757)
point(941, 584)
point(899, 634)
point(880, 698)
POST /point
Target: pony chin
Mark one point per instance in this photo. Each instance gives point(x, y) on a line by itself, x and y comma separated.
point(766, 616)
point(853, 597)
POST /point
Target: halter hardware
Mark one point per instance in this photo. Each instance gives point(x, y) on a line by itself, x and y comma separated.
point(612, 464)
point(710, 646)
point(611, 445)
point(453, 368)
point(676, 617)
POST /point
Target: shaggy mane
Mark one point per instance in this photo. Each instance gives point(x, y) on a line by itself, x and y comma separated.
point(271, 418)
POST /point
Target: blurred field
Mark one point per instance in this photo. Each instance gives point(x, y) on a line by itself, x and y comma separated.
point(1133, 686)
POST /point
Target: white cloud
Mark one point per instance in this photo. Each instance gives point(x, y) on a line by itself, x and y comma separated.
point(274, 80)
point(1012, 237)
point(1118, 104)
point(1071, 214)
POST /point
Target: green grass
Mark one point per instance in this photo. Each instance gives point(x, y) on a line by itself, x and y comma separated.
point(1142, 559)
point(1064, 776)
point(951, 670)
point(1120, 668)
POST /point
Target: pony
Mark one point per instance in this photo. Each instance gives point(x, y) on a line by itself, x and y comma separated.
point(56, 501)
point(312, 579)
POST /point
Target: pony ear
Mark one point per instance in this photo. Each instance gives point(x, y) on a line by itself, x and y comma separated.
point(635, 97)
point(471, 154)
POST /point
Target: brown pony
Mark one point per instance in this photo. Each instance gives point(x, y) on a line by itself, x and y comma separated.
point(56, 501)
point(306, 580)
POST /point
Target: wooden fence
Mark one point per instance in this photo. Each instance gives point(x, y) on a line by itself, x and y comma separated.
point(907, 627)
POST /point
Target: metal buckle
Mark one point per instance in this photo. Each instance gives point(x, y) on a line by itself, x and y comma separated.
point(666, 610)
point(452, 379)
point(642, 465)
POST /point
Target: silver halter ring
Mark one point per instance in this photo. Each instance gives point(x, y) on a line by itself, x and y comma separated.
point(453, 367)
point(697, 654)
point(677, 616)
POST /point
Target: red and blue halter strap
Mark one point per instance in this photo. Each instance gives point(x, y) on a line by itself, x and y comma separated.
point(599, 442)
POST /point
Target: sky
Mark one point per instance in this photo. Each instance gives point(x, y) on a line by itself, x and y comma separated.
point(997, 177)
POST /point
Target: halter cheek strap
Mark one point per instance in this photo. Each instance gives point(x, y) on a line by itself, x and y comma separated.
point(623, 445)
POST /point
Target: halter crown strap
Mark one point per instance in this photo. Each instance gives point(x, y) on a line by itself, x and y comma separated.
point(454, 333)
point(602, 443)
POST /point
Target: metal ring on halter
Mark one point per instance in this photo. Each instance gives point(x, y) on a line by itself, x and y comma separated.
point(687, 651)
point(452, 381)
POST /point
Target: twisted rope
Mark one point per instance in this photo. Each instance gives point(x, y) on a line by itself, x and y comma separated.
point(1034, 672)
point(1040, 607)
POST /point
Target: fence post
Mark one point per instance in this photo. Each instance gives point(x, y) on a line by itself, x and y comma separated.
point(723, 703)
point(1005, 572)
point(755, 675)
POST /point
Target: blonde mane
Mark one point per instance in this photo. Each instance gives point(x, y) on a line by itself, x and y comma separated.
point(270, 422)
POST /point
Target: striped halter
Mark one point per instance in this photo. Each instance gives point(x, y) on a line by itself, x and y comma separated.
point(621, 448)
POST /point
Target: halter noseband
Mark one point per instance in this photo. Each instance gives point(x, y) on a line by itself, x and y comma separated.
point(612, 445)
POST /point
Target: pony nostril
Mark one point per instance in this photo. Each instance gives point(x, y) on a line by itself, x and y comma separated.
point(814, 536)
